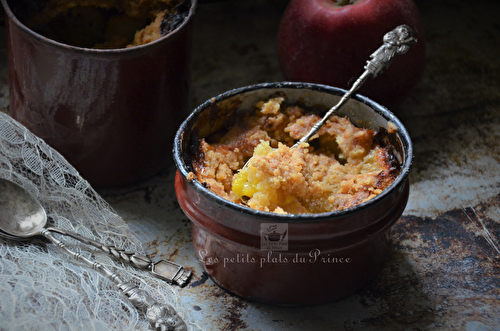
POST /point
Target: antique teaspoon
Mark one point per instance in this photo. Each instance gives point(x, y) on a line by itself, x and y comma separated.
point(23, 217)
point(396, 42)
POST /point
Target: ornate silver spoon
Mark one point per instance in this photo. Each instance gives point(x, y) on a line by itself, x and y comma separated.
point(396, 42)
point(22, 216)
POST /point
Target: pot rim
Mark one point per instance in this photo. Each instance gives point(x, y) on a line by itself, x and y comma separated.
point(184, 170)
point(97, 51)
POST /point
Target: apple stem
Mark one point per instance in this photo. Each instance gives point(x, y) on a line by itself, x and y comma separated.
point(342, 3)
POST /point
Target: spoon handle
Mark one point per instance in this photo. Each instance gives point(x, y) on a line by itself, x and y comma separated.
point(161, 316)
point(163, 269)
point(396, 42)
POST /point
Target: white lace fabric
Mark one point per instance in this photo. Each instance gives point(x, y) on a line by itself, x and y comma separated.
point(41, 286)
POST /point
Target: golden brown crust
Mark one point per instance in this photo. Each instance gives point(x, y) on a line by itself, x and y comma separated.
point(342, 167)
point(102, 23)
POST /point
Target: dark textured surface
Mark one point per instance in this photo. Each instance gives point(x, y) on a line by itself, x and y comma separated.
point(443, 269)
point(442, 273)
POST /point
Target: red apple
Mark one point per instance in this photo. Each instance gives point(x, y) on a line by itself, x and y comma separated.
point(320, 41)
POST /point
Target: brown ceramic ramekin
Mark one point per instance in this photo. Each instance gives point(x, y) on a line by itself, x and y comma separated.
point(289, 259)
point(112, 113)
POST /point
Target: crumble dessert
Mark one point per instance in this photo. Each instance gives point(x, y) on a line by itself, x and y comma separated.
point(106, 23)
point(340, 167)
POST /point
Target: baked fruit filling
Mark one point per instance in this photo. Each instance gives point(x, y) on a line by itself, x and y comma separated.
point(342, 165)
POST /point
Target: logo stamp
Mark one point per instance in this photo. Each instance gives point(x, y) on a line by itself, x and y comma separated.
point(274, 236)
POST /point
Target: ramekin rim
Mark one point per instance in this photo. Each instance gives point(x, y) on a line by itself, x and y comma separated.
point(381, 110)
point(97, 51)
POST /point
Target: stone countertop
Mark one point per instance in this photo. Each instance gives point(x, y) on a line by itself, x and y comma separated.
point(443, 268)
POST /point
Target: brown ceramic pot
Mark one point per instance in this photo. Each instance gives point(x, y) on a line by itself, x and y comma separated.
point(112, 113)
point(323, 257)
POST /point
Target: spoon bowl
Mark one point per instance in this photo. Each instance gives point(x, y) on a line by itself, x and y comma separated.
point(20, 215)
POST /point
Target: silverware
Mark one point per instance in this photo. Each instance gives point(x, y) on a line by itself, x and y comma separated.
point(22, 217)
point(396, 42)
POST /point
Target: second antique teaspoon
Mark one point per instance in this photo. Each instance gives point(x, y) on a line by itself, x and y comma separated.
point(23, 217)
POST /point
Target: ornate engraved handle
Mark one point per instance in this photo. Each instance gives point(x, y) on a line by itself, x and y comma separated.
point(163, 269)
point(162, 317)
point(396, 42)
